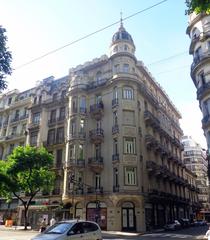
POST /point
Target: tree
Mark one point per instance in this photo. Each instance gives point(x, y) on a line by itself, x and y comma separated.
point(198, 6)
point(28, 170)
point(5, 59)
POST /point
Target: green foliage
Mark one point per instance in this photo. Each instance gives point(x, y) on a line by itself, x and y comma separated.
point(5, 59)
point(198, 6)
point(27, 169)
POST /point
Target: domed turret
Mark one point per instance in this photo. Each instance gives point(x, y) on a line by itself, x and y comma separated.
point(122, 42)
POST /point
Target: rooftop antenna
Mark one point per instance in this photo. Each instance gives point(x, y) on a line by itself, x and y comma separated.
point(121, 19)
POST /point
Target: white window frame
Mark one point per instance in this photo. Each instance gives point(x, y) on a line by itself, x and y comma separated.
point(128, 93)
point(129, 145)
point(130, 176)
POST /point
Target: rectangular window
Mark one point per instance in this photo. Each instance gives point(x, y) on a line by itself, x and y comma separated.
point(116, 177)
point(9, 101)
point(115, 118)
point(59, 154)
point(115, 146)
point(53, 115)
point(81, 152)
point(51, 137)
point(125, 68)
point(98, 151)
point(130, 176)
point(36, 117)
point(62, 113)
point(11, 147)
point(128, 93)
point(82, 126)
point(72, 152)
point(60, 135)
point(97, 181)
point(129, 145)
point(33, 138)
point(73, 128)
point(14, 130)
point(116, 68)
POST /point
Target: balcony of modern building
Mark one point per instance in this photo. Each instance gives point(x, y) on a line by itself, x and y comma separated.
point(96, 164)
point(96, 135)
point(199, 60)
point(76, 163)
point(97, 110)
point(151, 119)
point(115, 129)
point(115, 102)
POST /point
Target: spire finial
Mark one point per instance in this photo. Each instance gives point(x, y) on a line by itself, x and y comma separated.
point(121, 19)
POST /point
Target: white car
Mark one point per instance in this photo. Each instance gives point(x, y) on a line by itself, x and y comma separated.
point(71, 230)
point(175, 225)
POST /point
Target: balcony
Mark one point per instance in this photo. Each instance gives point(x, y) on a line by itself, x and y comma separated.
point(52, 122)
point(82, 110)
point(115, 129)
point(203, 91)
point(33, 125)
point(206, 121)
point(60, 119)
point(96, 164)
point(150, 141)
point(97, 110)
point(115, 157)
point(15, 119)
point(79, 163)
point(151, 166)
point(116, 188)
point(115, 102)
point(23, 117)
point(95, 190)
point(96, 135)
point(79, 135)
point(198, 60)
point(151, 120)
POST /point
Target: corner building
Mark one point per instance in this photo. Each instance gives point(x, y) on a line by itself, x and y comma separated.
point(199, 33)
point(123, 164)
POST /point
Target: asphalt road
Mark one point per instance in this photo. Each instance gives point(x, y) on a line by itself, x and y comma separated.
point(186, 234)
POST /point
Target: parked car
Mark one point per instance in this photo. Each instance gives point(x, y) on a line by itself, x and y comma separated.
point(175, 225)
point(71, 230)
point(184, 222)
point(200, 222)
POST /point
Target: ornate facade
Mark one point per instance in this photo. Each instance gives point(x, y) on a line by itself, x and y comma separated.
point(115, 136)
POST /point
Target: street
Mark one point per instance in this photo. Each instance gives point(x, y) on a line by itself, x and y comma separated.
point(188, 234)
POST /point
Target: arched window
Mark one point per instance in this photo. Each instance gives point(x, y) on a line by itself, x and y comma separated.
point(126, 48)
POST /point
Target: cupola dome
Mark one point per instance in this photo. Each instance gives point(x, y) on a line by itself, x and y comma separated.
point(122, 42)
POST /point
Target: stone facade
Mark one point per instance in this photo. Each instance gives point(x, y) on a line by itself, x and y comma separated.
point(115, 136)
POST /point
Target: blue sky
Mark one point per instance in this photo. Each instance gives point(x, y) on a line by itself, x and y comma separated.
point(37, 27)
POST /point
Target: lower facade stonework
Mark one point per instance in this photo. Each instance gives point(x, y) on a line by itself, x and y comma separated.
point(134, 213)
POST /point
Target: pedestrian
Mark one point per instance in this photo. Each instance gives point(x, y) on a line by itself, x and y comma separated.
point(52, 221)
point(43, 225)
point(208, 234)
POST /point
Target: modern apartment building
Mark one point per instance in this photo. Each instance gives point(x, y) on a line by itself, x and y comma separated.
point(115, 136)
point(195, 160)
point(199, 32)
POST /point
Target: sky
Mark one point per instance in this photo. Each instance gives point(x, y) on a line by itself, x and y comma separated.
point(35, 28)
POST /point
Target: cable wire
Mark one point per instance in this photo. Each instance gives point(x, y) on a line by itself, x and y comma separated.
point(88, 35)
